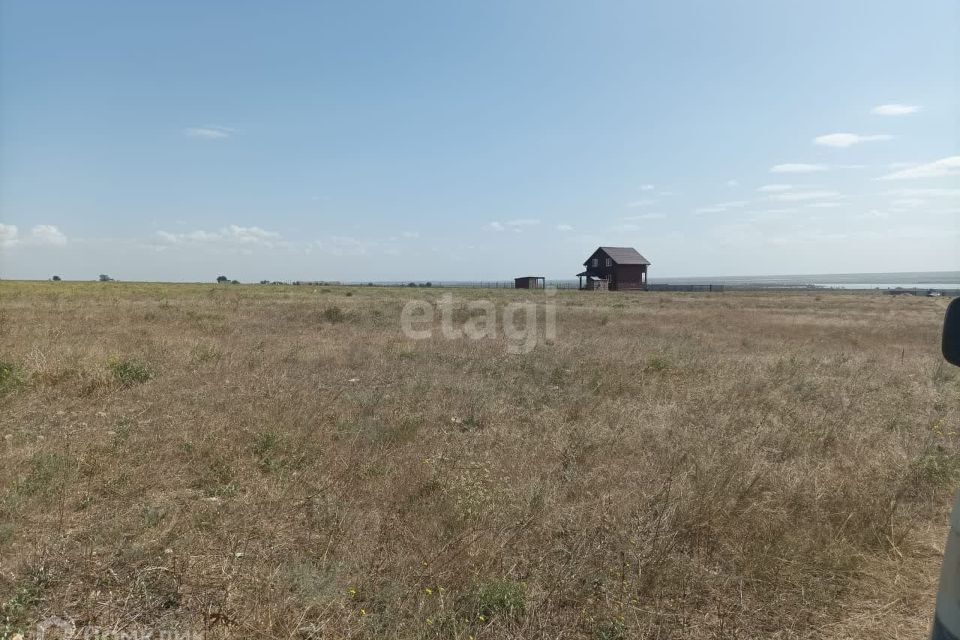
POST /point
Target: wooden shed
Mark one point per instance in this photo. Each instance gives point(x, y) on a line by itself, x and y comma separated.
point(616, 269)
point(530, 282)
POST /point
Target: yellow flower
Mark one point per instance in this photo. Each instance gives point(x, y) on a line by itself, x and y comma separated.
point(363, 612)
point(482, 618)
point(428, 590)
point(429, 620)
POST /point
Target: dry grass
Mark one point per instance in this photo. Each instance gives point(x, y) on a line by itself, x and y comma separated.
point(671, 466)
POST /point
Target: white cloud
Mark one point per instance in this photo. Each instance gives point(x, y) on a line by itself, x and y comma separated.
point(937, 169)
point(932, 193)
point(797, 167)
point(826, 204)
point(654, 215)
point(230, 235)
point(802, 196)
point(647, 187)
point(564, 227)
point(208, 132)
point(733, 183)
point(48, 234)
point(347, 245)
point(641, 203)
point(723, 206)
point(516, 225)
point(8, 235)
point(410, 234)
point(522, 222)
point(874, 214)
point(907, 203)
point(767, 215)
point(895, 109)
point(775, 188)
point(41, 234)
point(843, 140)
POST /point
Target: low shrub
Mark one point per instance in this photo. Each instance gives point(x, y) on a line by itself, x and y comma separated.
point(129, 373)
point(505, 598)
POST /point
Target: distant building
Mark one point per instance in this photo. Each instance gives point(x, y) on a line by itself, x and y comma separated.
point(616, 269)
point(529, 282)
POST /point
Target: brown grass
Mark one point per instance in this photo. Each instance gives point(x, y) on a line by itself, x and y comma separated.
point(671, 466)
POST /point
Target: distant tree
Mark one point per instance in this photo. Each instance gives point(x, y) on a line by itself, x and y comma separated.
point(264, 282)
point(412, 284)
point(55, 278)
point(222, 279)
point(234, 282)
point(105, 278)
point(427, 284)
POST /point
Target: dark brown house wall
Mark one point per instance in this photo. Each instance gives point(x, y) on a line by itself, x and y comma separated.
point(629, 276)
point(601, 270)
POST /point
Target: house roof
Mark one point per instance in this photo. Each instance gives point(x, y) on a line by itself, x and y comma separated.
point(623, 255)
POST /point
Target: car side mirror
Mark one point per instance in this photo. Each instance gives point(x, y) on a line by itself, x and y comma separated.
point(951, 333)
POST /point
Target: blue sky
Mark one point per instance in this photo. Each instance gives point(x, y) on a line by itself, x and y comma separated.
point(469, 140)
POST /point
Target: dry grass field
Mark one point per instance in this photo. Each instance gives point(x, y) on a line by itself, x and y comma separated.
point(282, 462)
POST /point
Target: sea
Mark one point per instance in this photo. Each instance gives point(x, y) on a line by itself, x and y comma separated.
point(936, 280)
point(946, 281)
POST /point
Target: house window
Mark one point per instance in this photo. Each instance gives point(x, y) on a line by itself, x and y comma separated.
point(609, 262)
point(595, 262)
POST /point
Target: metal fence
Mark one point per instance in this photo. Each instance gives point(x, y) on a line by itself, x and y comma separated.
point(684, 287)
point(707, 288)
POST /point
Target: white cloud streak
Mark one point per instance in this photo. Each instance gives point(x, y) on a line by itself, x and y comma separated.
point(654, 215)
point(209, 132)
point(47, 234)
point(8, 235)
point(723, 206)
point(895, 109)
point(844, 140)
point(797, 167)
point(40, 235)
point(230, 235)
point(924, 193)
point(803, 196)
point(517, 225)
point(945, 167)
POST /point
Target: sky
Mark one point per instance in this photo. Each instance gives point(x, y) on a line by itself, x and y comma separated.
point(369, 140)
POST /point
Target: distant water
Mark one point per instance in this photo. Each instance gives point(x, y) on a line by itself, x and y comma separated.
point(941, 280)
point(889, 285)
point(905, 280)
